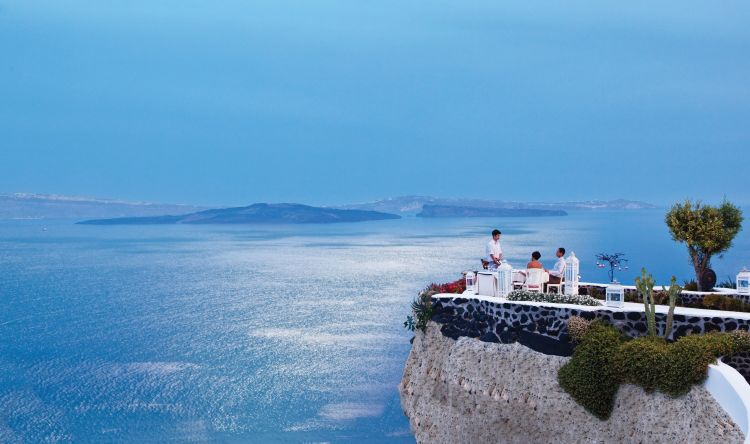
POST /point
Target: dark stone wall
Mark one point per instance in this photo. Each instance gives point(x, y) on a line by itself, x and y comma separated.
point(545, 328)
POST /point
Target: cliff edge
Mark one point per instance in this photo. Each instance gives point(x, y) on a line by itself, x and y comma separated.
point(470, 391)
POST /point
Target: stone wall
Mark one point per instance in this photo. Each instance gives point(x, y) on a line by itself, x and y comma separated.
point(470, 391)
point(544, 327)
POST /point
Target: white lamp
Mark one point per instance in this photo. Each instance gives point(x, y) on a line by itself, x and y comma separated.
point(471, 282)
point(743, 281)
point(572, 267)
point(615, 295)
point(504, 279)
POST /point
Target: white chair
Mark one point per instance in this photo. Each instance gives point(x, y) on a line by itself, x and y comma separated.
point(535, 278)
point(487, 283)
point(558, 286)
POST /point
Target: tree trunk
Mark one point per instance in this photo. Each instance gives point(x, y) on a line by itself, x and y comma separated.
point(698, 273)
point(697, 266)
point(703, 263)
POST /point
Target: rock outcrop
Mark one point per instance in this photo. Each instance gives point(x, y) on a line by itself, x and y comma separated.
point(469, 391)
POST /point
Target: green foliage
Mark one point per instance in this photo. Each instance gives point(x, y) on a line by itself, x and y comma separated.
point(705, 230)
point(577, 328)
point(635, 297)
point(604, 359)
point(421, 307)
point(596, 293)
point(713, 301)
point(638, 360)
point(725, 303)
point(645, 285)
point(409, 323)
point(590, 376)
point(422, 310)
point(691, 285)
point(522, 295)
point(672, 294)
point(729, 282)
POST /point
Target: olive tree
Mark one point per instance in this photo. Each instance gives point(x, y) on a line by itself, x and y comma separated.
point(705, 230)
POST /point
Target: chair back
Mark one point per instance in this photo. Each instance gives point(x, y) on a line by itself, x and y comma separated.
point(534, 277)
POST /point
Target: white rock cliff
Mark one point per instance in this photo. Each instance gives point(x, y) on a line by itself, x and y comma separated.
point(468, 391)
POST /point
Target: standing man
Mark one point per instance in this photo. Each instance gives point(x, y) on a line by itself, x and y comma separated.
point(557, 273)
point(493, 251)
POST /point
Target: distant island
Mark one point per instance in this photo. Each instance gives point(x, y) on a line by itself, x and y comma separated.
point(260, 213)
point(411, 205)
point(55, 206)
point(21, 206)
point(435, 211)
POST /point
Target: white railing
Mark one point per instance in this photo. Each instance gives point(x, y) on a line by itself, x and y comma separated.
point(732, 392)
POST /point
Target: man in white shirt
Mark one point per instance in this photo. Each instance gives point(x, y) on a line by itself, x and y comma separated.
point(493, 252)
point(556, 274)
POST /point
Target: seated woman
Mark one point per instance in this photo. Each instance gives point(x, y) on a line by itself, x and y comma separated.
point(533, 264)
point(535, 256)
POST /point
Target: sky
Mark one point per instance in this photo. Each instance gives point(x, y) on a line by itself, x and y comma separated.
point(228, 102)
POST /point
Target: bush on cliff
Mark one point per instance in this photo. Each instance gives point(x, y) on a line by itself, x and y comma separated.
point(421, 306)
point(590, 376)
point(605, 358)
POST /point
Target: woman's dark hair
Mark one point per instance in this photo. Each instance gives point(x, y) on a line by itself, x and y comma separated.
point(496, 232)
point(561, 250)
point(536, 255)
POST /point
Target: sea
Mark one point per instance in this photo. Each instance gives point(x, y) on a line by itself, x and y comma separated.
point(283, 333)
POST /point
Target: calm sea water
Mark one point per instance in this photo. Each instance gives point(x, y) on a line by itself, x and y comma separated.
point(251, 334)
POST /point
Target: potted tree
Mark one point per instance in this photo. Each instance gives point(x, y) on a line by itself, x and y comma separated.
point(705, 230)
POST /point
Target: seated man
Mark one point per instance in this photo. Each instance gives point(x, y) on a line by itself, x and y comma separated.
point(493, 251)
point(535, 256)
point(557, 273)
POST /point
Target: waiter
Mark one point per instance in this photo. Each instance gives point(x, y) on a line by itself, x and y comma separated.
point(493, 251)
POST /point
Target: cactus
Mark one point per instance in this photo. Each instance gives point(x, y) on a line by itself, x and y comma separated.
point(645, 285)
point(673, 292)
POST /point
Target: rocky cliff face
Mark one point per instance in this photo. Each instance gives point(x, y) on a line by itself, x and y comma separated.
point(469, 391)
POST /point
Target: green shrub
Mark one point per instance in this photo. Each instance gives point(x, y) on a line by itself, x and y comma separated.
point(577, 328)
point(422, 310)
point(589, 377)
point(722, 302)
point(690, 285)
point(641, 361)
point(729, 282)
point(713, 301)
point(633, 296)
point(605, 358)
point(596, 293)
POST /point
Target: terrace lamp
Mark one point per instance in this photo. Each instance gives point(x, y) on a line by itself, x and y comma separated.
point(572, 267)
point(615, 295)
point(471, 282)
point(743, 281)
point(504, 279)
